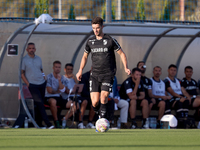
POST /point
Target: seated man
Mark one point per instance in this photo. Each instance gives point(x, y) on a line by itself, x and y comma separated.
point(122, 104)
point(132, 90)
point(86, 95)
point(191, 87)
point(69, 80)
point(160, 95)
point(54, 89)
point(180, 98)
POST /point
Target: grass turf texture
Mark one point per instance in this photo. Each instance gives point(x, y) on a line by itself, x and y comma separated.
point(174, 139)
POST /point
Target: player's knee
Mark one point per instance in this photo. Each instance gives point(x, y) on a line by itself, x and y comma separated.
point(52, 102)
point(161, 104)
point(144, 103)
point(84, 103)
point(133, 102)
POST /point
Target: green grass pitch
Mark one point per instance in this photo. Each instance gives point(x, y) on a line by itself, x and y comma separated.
point(159, 139)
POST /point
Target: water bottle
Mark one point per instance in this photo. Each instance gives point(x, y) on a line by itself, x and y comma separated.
point(64, 123)
point(118, 123)
point(26, 122)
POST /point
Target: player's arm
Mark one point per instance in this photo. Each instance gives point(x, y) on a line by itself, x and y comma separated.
point(82, 65)
point(185, 93)
point(24, 77)
point(124, 61)
point(171, 91)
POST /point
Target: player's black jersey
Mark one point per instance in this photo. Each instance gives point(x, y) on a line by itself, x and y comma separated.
point(147, 84)
point(128, 86)
point(103, 55)
point(190, 86)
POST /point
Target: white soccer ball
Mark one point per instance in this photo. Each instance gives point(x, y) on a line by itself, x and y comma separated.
point(102, 125)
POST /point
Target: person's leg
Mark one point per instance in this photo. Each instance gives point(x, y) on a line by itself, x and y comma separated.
point(145, 113)
point(52, 105)
point(132, 108)
point(161, 110)
point(83, 108)
point(38, 101)
point(95, 101)
point(186, 108)
point(123, 105)
point(145, 108)
point(196, 104)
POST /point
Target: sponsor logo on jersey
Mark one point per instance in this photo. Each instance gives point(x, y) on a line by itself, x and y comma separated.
point(190, 88)
point(105, 42)
point(97, 50)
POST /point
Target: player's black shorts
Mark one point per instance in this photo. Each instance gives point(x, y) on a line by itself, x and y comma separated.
point(101, 83)
point(149, 100)
point(138, 102)
point(59, 101)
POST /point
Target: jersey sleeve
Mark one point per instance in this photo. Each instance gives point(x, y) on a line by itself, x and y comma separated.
point(183, 83)
point(87, 47)
point(23, 64)
point(49, 81)
point(116, 45)
point(127, 86)
point(167, 84)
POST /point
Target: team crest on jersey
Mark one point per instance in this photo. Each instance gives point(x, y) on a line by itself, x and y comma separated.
point(105, 42)
point(126, 82)
point(92, 43)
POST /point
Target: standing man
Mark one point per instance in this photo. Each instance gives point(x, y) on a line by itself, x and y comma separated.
point(160, 95)
point(33, 76)
point(191, 87)
point(102, 48)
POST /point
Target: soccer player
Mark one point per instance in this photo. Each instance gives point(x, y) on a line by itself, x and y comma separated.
point(180, 98)
point(102, 48)
point(32, 74)
point(191, 87)
point(132, 90)
point(160, 94)
point(69, 80)
point(147, 85)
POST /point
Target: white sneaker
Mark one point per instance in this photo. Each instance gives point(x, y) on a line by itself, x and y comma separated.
point(198, 127)
point(146, 125)
point(81, 126)
point(90, 126)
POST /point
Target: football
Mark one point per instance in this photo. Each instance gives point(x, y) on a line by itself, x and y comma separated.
point(102, 125)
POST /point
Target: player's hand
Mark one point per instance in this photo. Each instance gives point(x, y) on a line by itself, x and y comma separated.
point(137, 81)
point(168, 97)
point(79, 75)
point(58, 77)
point(182, 99)
point(128, 71)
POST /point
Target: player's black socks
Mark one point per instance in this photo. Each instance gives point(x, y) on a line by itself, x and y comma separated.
point(96, 109)
point(103, 110)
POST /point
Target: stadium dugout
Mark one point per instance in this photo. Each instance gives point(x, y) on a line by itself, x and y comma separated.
point(155, 43)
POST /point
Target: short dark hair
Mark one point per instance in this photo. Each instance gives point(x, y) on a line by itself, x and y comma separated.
point(172, 66)
point(157, 67)
point(188, 67)
point(69, 64)
point(134, 70)
point(31, 43)
point(56, 62)
point(140, 62)
point(97, 20)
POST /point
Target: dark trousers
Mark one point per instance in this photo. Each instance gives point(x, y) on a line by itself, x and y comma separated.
point(38, 93)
